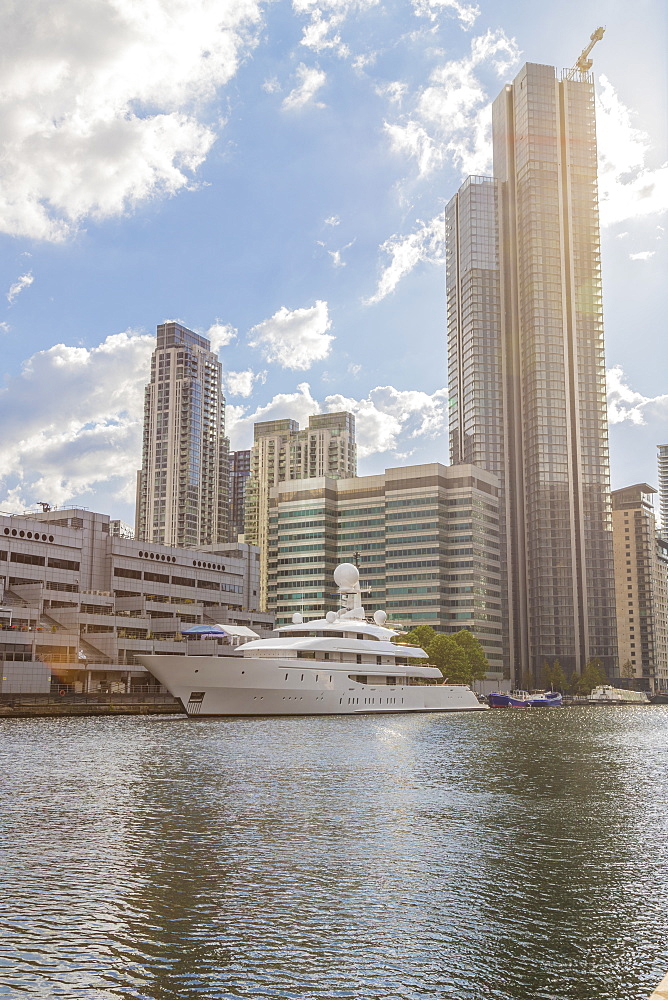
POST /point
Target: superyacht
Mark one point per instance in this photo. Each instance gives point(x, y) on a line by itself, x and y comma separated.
point(338, 665)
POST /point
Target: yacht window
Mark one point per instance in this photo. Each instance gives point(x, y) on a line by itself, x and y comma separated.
point(306, 654)
point(358, 657)
point(391, 681)
point(378, 659)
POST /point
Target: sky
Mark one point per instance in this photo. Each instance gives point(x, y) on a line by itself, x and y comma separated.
point(273, 175)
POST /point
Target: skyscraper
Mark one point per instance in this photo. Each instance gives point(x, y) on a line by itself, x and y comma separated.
point(663, 488)
point(239, 474)
point(527, 373)
point(182, 487)
point(281, 451)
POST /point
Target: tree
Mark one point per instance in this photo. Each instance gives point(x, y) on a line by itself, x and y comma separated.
point(558, 677)
point(592, 675)
point(547, 676)
point(450, 658)
point(574, 683)
point(628, 672)
point(421, 636)
point(474, 652)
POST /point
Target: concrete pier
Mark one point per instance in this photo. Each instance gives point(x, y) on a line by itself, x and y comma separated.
point(661, 992)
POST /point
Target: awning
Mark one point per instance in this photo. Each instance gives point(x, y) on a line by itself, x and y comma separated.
point(236, 630)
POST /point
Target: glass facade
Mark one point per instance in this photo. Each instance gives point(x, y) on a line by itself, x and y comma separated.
point(425, 538)
point(542, 377)
point(183, 485)
point(282, 452)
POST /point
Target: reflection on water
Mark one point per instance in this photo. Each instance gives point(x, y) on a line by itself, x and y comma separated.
point(503, 855)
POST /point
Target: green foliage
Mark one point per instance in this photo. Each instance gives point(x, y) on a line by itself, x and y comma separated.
point(446, 654)
point(421, 636)
point(558, 677)
point(546, 675)
point(592, 675)
point(474, 652)
point(459, 657)
point(628, 671)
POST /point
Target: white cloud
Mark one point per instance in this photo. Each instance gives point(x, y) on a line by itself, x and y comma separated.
point(389, 419)
point(298, 405)
point(628, 188)
point(310, 82)
point(386, 420)
point(467, 13)
point(294, 338)
point(220, 335)
point(426, 244)
point(333, 220)
point(23, 282)
point(72, 421)
point(451, 118)
point(627, 405)
point(103, 105)
point(642, 255)
point(242, 383)
point(5, 327)
point(318, 35)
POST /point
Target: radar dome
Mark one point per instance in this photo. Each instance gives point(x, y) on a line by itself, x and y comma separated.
point(346, 575)
point(331, 616)
point(297, 618)
point(379, 617)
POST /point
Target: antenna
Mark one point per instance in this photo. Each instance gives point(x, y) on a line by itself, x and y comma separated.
point(583, 63)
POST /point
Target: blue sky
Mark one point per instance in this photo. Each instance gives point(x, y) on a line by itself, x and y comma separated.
point(273, 175)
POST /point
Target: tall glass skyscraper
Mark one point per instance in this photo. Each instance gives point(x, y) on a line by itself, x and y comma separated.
point(527, 373)
point(182, 487)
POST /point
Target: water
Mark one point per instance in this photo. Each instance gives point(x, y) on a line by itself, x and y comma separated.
point(499, 855)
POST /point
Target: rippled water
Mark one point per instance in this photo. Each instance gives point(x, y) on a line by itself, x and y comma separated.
point(500, 855)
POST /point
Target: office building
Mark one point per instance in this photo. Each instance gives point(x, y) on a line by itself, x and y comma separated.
point(281, 451)
point(78, 602)
point(182, 487)
point(641, 576)
point(239, 474)
point(526, 367)
point(425, 539)
point(663, 488)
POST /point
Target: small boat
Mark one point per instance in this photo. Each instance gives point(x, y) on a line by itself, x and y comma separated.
point(659, 698)
point(546, 699)
point(523, 699)
point(509, 699)
point(606, 694)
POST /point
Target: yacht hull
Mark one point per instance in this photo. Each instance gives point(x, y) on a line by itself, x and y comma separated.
point(245, 686)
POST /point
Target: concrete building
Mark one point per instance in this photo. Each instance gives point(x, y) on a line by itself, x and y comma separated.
point(79, 603)
point(425, 538)
point(641, 575)
point(527, 372)
point(183, 484)
point(282, 452)
point(239, 475)
point(663, 488)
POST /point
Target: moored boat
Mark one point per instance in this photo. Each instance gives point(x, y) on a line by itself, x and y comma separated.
point(606, 694)
point(338, 665)
point(524, 699)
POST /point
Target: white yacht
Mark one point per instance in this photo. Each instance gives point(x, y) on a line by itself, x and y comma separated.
point(338, 665)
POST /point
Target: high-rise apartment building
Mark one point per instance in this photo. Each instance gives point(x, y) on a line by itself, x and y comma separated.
point(527, 373)
point(281, 451)
point(182, 487)
point(641, 577)
point(425, 538)
point(663, 488)
point(239, 475)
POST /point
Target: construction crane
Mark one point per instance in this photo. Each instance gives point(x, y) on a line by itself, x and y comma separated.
point(584, 63)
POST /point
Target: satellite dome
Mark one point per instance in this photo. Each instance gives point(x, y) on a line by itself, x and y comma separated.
point(379, 617)
point(297, 618)
point(331, 616)
point(346, 575)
